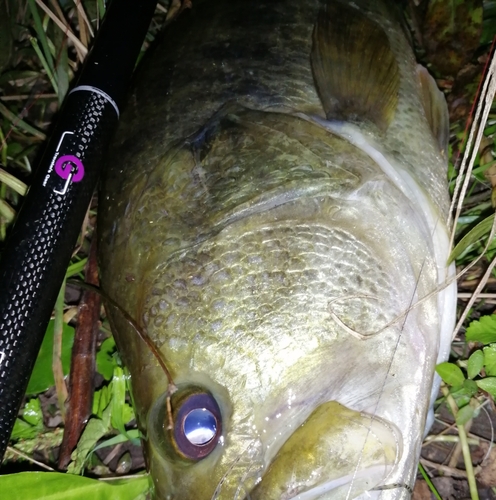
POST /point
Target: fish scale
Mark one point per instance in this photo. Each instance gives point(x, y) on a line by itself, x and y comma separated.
point(275, 219)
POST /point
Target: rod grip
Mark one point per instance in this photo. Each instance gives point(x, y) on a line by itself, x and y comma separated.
point(41, 242)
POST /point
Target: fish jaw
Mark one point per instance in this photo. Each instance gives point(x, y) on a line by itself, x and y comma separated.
point(335, 451)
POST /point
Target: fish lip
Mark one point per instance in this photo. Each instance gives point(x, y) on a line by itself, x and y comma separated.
point(360, 478)
point(315, 492)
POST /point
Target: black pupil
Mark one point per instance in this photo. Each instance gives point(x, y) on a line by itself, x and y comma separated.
point(200, 426)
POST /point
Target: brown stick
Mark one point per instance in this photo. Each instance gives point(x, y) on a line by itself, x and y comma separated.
point(82, 363)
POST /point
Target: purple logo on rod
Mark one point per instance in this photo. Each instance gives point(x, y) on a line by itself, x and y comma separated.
point(67, 165)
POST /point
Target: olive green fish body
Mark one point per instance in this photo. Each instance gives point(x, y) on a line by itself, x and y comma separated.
point(275, 219)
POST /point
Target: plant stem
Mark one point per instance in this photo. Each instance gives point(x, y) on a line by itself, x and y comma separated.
point(474, 494)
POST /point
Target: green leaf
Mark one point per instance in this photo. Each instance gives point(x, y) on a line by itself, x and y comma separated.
point(461, 399)
point(23, 430)
point(490, 360)
point(475, 364)
point(488, 384)
point(32, 413)
point(450, 373)
point(101, 400)
point(31, 423)
point(127, 413)
point(483, 330)
point(95, 429)
point(473, 236)
point(76, 268)
point(470, 387)
point(62, 70)
point(58, 486)
point(122, 413)
point(463, 394)
point(464, 415)
point(105, 362)
point(42, 376)
point(41, 35)
point(132, 435)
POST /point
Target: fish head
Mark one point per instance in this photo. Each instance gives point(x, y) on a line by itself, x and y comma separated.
point(284, 265)
point(278, 315)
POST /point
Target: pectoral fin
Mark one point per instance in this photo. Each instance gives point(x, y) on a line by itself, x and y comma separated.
point(435, 107)
point(354, 68)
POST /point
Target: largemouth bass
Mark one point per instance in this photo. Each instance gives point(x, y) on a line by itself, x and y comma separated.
point(275, 218)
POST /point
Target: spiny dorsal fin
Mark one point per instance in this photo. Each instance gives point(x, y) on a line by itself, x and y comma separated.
point(435, 107)
point(355, 71)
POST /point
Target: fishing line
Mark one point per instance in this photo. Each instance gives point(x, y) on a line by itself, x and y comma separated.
point(473, 297)
point(488, 92)
point(388, 371)
point(491, 441)
point(133, 323)
point(222, 480)
point(143, 335)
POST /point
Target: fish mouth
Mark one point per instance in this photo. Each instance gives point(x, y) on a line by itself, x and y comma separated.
point(341, 487)
point(336, 453)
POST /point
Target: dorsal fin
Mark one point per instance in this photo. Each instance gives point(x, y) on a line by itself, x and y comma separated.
point(355, 71)
point(435, 107)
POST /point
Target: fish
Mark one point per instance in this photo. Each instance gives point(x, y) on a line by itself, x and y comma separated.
point(275, 217)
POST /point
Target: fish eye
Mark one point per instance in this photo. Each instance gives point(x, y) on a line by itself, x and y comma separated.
point(187, 427)
point(197, 424)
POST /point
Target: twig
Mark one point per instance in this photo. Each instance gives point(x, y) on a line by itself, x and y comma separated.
point(65, 28)
point(480, 296)
point(82, 363)
point(448, 471)
point(58, 371)
point(22, 97)
point(83, 20)
point(29, 459)
point(472, 300)
point(483, 106)
point(17, 122)
point(449, 439)
point(457, 451)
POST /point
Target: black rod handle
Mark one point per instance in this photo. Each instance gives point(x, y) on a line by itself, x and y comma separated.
point(39, 248)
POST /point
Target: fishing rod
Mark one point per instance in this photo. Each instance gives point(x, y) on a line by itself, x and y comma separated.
point(41, 242)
